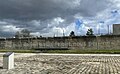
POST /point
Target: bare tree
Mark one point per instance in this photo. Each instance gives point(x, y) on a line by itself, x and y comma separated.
point(22, 33)
point(17, 34)
point(25, 33)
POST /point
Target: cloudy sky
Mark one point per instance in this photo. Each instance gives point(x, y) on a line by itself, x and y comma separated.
point(53, 17)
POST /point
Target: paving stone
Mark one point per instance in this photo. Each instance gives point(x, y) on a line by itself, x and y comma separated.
point(65, 64)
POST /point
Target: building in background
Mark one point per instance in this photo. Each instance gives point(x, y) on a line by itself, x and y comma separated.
point(116, 29)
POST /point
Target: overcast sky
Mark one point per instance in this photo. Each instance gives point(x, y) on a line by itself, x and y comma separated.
point(53, 17)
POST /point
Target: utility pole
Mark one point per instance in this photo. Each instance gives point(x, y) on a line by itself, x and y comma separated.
point(108, 29)
point(63, 33)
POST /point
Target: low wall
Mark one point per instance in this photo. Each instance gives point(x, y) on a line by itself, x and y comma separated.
point(78, 42)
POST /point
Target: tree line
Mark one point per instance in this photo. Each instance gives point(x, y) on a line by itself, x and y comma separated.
point(88, 33)
point(26, 33)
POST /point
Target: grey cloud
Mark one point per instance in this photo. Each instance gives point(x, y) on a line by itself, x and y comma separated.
point(90, 8)
point(32, 9)
point(7, 34)
point(47, 9)
point(21, 13)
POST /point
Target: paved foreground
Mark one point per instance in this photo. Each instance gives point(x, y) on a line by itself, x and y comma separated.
point(64, 64)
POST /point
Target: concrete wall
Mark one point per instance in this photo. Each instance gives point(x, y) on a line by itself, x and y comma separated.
point(116, 29)
point(83, 42)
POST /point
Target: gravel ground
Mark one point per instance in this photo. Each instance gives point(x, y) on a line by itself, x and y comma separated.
point(64, 64)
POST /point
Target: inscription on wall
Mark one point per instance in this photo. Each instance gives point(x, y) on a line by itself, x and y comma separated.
point(107, 42)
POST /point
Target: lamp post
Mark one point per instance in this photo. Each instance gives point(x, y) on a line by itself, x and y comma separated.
point(99, 30)
point(57, 32)
point(63, 33)
point(108, 29)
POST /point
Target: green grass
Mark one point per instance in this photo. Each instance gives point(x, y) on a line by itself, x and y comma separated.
point(89, 51)
point(72, 51)
point(17, 51)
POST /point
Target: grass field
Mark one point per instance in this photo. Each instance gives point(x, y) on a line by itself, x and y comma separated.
point(89, 51)
point(17, 51)
point(73, 51)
